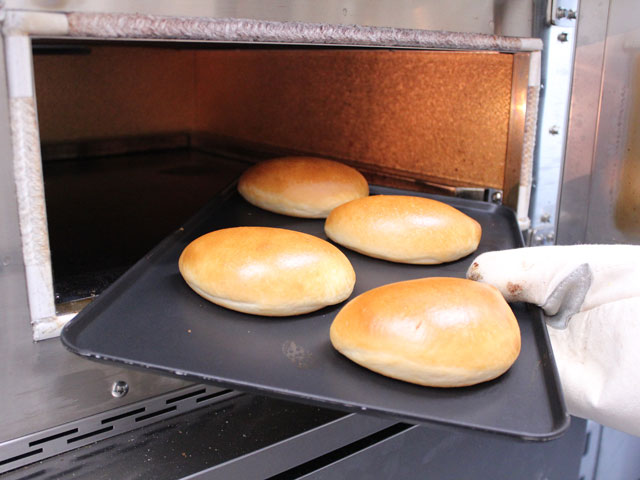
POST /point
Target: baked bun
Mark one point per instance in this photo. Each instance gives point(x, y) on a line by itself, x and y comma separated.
point(301, 186)
point(404, 229)
point(267, 271)
point(439, 332)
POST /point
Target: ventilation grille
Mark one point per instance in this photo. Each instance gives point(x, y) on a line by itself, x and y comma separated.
point(47, 443)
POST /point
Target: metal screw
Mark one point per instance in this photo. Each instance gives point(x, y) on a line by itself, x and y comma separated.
point(563, 37)
point(554, 130)
point(572, 14)
point(119, 389)
point(550, 237)
point(561, 12)
point(545, 217)
point(496, 197)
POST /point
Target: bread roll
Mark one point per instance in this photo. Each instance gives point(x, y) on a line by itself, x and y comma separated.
point(440, 332)
point(301, 186)
point(404, 229)
point(267, 271)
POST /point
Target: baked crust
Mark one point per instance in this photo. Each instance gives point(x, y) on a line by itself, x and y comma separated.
point(404, 229)
point(306, 187)
point(267, 271)
point(440, 332)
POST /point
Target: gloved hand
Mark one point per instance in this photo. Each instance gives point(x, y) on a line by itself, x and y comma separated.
point(590, 296)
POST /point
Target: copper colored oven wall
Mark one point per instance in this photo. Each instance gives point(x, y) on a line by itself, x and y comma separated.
point(441, 115)
point(435, 116)
point(114, 92)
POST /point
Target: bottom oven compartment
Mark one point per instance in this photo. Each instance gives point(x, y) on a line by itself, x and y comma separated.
point(252, 437)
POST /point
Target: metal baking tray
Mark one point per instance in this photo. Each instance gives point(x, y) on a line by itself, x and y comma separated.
point(151, 319)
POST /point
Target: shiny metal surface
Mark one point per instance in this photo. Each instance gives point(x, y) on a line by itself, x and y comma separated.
point(601, 183)
point(502, 17)
point(36, 447)
point(120, 388)
point(50, 386)
point(614, 201)
point(245, 437)
point(583, 122)
point(515, 143)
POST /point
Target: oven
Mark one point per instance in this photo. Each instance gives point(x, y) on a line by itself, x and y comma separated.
point(122, 123)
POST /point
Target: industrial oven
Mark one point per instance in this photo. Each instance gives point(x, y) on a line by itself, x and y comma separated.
point(125, 126)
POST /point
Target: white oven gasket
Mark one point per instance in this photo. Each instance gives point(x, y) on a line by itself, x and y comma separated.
point(27, 165)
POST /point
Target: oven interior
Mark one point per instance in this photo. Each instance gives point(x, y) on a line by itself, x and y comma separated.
point(135, 138)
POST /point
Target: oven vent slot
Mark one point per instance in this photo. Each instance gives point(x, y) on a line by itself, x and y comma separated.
point(156, 414)
point(123, 415)
point(89, 435)
point(53, 437)
point(186, 395)
point(19, 457)
point(38, 446)
point(209, 396)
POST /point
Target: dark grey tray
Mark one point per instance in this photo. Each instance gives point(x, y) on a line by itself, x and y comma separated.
point(150, 318)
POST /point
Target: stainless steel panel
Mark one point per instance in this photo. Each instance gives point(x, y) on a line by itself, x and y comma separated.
point(601, 183)
point(45, 386)
point(72, 435)
point(583, 122)
point(503, 17)
point(246, 437)
point(42, 384)
point(614, 200)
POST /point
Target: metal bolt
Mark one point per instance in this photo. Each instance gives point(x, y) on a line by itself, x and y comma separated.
point(564, 13)
point(119, 389)
point(550, 237)
point(496, 197)
point(563, 37)
point(545, 217)
point(537, 240)
point(554, 130)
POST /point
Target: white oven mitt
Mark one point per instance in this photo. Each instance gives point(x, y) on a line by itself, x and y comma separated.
point(590, 296)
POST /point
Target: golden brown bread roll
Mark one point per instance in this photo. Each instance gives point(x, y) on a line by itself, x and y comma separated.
point(267, 271)
point(440, 332)
point(404, 229)
point(301, 186)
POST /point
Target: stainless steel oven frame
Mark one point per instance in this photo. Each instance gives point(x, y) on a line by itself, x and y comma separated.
point(45, 387)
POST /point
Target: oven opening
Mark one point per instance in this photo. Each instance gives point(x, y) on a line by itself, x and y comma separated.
point(136, 137)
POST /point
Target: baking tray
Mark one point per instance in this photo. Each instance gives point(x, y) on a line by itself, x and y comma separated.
point(151, 319)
